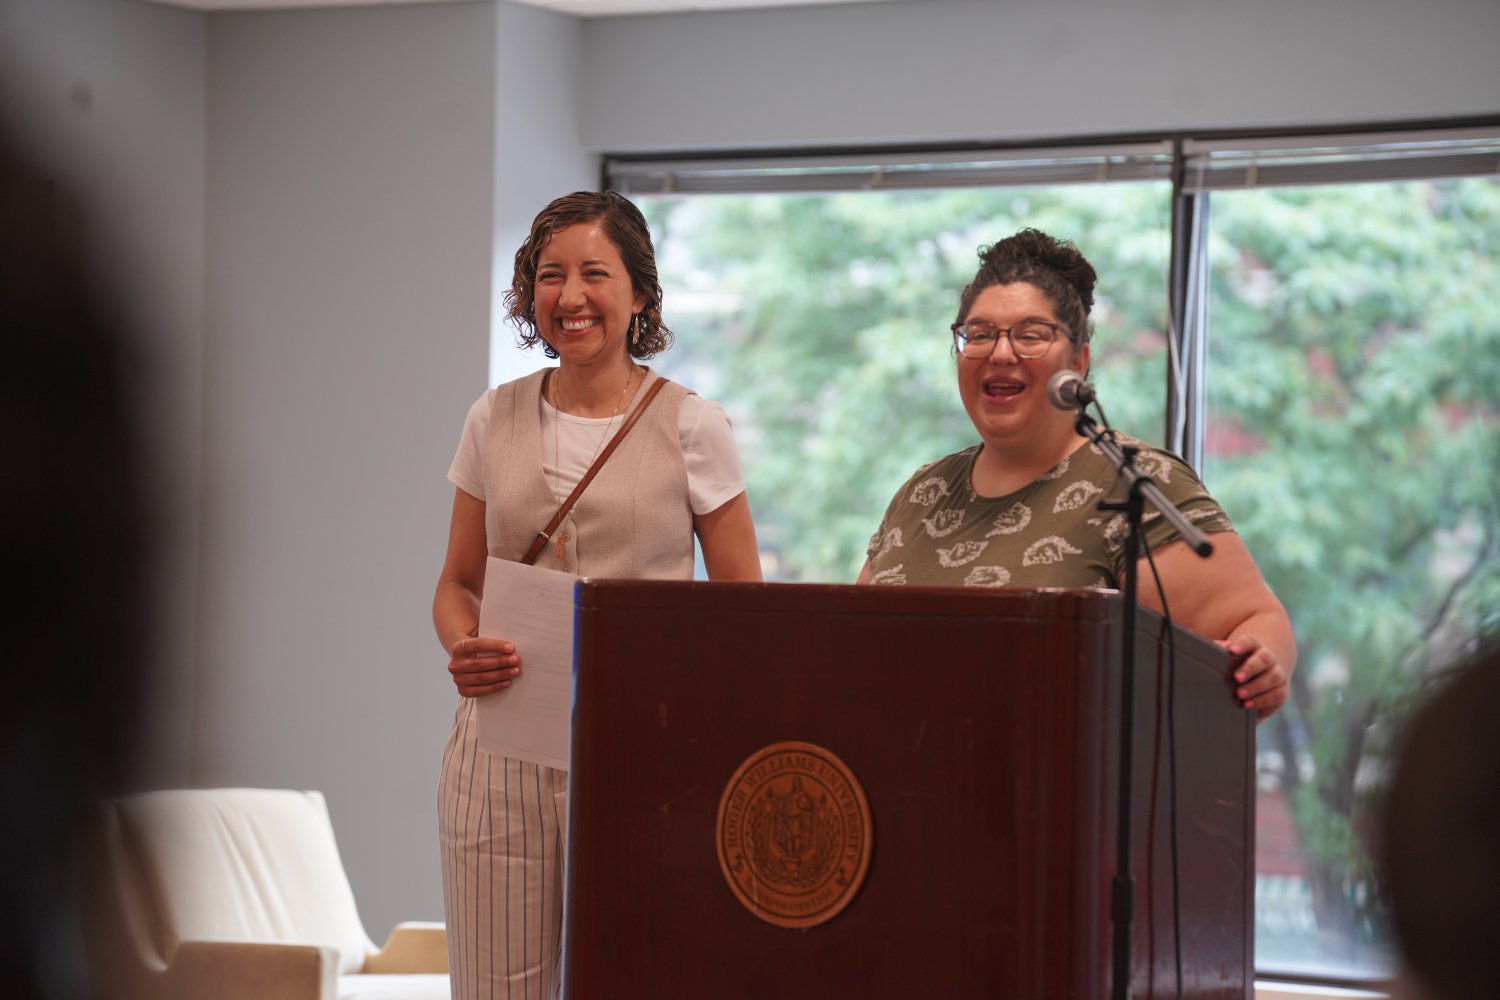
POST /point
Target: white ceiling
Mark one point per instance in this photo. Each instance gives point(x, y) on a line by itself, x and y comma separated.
point(579, 8)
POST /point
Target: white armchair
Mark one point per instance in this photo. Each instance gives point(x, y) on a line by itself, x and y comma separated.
point(239, 893)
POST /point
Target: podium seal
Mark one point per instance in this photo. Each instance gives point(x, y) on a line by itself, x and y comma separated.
point(794, 834)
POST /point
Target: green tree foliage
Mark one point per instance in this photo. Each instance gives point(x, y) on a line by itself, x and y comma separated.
point(1355, 357)
point(822, 324)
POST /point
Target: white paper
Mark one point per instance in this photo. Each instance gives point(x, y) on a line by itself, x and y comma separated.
point(533, 608)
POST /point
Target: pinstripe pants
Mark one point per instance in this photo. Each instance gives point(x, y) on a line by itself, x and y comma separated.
point(501, 824)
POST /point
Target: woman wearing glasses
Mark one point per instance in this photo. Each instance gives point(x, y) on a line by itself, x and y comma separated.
point(1020, 508)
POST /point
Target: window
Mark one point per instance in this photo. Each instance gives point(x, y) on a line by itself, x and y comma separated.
point(1335, 376)
point(1353, 426)
point(821, 320)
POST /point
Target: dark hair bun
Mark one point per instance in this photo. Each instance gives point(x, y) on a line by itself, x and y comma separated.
point(1020, 257)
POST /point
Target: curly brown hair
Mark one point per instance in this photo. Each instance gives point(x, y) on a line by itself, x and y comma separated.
point(626, 229)
point(1052, 265)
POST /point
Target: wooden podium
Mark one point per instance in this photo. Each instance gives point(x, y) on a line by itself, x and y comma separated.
point(983, 729)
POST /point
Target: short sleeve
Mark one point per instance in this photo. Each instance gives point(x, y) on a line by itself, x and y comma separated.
point(1187, 493)
point(467, 470)
point(877, 540)
point(881, 539)
point(714, 473)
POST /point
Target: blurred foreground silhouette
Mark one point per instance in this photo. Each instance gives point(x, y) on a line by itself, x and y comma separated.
point(1442, 839)
point(75, 555)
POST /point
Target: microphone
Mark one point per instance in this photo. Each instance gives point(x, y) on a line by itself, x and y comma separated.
point(1068, 391)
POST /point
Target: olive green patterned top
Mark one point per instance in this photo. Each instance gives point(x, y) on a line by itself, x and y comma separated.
point(938, 532)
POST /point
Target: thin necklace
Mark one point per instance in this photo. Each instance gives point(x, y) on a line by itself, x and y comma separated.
point(564, 536)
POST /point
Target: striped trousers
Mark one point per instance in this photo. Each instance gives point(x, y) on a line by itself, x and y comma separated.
point(501, 826)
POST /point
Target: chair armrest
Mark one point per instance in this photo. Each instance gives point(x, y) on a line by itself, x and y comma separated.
point(246, 970)
point(413, 947)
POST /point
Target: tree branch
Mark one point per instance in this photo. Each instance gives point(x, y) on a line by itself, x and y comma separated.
point(1482, 558)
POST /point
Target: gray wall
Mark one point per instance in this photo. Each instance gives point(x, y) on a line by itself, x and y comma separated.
point(350, 168)
point(539, 151)
point(309, 204)
point(364, 167)
point(931, 70)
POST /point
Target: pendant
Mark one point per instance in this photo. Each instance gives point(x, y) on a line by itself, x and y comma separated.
point(562, 544)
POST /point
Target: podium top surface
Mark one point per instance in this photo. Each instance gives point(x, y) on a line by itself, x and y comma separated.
point(1088, 605)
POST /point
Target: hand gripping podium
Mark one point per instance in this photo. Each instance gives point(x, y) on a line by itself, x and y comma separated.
point(722, 733)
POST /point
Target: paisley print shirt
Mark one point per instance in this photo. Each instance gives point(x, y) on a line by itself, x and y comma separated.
point(938, 532)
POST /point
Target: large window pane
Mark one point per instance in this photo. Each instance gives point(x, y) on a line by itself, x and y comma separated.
point(1354, 431)
point(821, 322)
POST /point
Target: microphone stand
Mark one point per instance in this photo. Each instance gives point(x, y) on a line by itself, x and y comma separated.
point(1139, 488)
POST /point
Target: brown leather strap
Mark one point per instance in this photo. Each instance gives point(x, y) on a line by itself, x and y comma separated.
point(540, 542)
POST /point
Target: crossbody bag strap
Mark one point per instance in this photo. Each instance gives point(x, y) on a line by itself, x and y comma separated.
point(540, 542)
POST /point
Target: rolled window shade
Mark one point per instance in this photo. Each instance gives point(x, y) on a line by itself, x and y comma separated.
point(884, 171)
point(1207, 162)
point(1217, 165)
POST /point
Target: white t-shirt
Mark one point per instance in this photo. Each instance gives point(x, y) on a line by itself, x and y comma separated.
point(570, 444)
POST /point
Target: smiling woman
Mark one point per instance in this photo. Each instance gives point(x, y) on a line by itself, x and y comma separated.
point(585, 301)
point(1020, 509)
point(1002, 388)
point(585, 288)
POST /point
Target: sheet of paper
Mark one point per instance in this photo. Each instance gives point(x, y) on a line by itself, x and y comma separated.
point(533, 608)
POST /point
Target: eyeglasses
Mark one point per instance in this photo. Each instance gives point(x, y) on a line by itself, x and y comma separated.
point(1030, 339)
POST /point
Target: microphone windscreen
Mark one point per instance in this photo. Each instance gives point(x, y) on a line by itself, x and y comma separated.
point(1062, 389)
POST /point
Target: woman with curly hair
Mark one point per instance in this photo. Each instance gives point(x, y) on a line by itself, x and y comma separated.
point(585, 288)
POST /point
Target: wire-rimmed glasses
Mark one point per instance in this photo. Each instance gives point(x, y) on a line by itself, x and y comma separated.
point(1028, 339)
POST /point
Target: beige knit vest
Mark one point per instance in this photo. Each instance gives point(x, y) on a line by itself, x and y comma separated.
point(635, 518)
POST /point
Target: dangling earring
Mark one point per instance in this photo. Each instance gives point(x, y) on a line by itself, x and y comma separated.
point(635, 329)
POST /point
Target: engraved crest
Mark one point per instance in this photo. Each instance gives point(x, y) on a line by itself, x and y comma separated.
point(793, 834)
